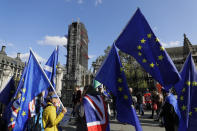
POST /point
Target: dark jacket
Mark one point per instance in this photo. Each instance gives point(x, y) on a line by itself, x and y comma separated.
point(171, 120)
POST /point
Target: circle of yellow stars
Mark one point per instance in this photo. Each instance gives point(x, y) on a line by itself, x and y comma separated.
point(160, 57)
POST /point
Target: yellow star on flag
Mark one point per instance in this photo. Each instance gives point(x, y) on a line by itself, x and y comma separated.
point(162, 48)
point(188, 83)
point(23, 114)
point(157, 40)
point(183, 90)
point(157, 64)
point(119, 80)
point(120, 89)
point(139, 47)
point(194, 83)
point(139, 53)
point(195, 109)
point(143, 41)
point(152, 65)
point(190, 113)
point(19, 108)
point(12, 119)
point(144, 60)
point(149, 35)
point(160, 57)
point(23, 98)
point(183, 108)
point(181, 98)
point(125, 97)
point(23, 90)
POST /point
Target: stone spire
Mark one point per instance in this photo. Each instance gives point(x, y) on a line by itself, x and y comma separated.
point(187, 46)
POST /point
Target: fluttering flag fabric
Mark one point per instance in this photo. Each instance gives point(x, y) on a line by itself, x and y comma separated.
point(8, 92)
point(95, 113)
point(173, 101)
point(34, 83)
point(11, 110)
point(138, 40)
point(111, 74)
point(187, 98)
point(21, 82)
point(50, 66)
point(50, 69)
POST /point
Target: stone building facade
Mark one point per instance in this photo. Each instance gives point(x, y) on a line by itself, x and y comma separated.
point(179, 54)
point(9, 67)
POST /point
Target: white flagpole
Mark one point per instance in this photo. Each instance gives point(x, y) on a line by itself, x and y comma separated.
point(46, 77)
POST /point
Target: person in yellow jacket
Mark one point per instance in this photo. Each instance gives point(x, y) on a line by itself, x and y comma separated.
point(50, 119)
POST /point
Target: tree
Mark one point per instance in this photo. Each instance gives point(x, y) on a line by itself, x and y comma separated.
point(135, 75)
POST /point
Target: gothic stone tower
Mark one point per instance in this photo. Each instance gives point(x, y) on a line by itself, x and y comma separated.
point(77, 52)
point(77, 59)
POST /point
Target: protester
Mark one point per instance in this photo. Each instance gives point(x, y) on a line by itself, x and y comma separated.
point(140, 103)
point(154, 99)
point(86, 113)
point(50, 118)
point(169, 112)
point(147, 97)
point(76, 99)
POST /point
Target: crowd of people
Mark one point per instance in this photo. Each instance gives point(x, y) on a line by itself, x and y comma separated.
point(49, 115)
point(154, 101)
point(160, 106)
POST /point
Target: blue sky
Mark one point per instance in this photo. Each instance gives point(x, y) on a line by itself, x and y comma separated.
point(42, 24)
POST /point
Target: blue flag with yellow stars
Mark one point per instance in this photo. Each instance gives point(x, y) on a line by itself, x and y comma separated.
point(187, 98)
point(111, 74)
point(34, 83)
point(138, 40)
point(8, 92)
point(9, 115)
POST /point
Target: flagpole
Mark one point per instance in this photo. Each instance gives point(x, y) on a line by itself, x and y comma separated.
point(46, 77)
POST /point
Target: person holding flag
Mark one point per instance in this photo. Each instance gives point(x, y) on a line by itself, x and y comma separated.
point(50, 121)
point(92, 114)
point(35, 81)
point(170, 112)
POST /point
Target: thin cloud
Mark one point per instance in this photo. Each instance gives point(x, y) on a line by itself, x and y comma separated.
point(171, 44)
point(53, 40)
point(91, 56)
point(25, 56)
point(97, 2)
point(5, 43)
point(80, 1)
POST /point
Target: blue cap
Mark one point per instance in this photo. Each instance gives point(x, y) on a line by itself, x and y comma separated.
point(54, 96)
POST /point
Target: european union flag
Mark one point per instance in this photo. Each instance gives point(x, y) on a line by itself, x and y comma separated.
point(111, 74)
point(10, 112)
point(138, 40)
point(7, 93)
point(50, 66)
point(34, 83)
point(187, 99)
point(21, 82)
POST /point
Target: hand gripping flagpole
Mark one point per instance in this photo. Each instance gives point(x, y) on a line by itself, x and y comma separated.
point(46, 77)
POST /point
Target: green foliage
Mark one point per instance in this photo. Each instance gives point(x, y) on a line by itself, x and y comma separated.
point(135, 75)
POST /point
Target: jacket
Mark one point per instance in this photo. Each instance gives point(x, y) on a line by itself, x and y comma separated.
point(50, 119)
